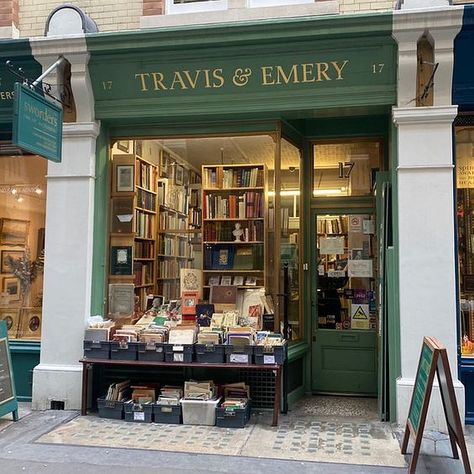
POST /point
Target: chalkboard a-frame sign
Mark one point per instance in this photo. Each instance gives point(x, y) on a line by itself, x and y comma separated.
point(434, 360)
point(8, 401)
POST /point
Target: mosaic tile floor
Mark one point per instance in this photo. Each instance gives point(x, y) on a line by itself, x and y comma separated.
point(303, 435)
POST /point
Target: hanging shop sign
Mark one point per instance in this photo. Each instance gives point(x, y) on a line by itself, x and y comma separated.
point(37, 124)
point(433, 360)
point(8, 401)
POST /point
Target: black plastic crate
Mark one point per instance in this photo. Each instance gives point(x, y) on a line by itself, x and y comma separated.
point(121, 350)
point(154, 352)
point(179, 352)
point(210, 353)
point(269, 354)
point(236, 418)
point(239, 354)
point(138, 412)
point(167, 414)
point(97, 349)
point(110, 408)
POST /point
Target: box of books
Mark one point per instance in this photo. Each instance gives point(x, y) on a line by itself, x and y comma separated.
point(199, 412)
point(170, 414)
point(123, 350)
point(270, 348)
point(232, 415)
point(110, 408)
point(138, 412)
point(97, 349)
point(152, 351)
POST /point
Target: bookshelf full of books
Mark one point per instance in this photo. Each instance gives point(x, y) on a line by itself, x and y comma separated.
point(233, 225)
point(133, 222)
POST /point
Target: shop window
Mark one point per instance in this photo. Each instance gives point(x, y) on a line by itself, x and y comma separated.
point(192, 6)
point(22, 238)
point(345, 168)
point(465, 221)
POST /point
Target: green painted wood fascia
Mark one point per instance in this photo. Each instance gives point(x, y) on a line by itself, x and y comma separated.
point(297, 350)
point(241, 33)
point(373, 125)
point(101, 200)
point(23, 347)
point(18, 51)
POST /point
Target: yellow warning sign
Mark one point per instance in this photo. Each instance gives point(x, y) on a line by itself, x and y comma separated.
point(359, 314)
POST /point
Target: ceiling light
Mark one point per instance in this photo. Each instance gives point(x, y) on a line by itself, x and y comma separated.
point(14, 191)
point(19, 198)
point(38, 190)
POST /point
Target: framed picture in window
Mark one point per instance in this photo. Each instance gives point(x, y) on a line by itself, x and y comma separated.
point(124, 178)
point(12, 319)
point(14, 232)
point(30, 324)
point(11, 286)
point(138, 147)
point(164, 164)
point(15, 254)
point(178, 175)
point(124, 145)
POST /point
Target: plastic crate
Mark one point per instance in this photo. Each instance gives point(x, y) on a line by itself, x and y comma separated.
point(239, 354)
point(236, 418)
point(110, 408)
point(120, 350)
point(170, 414)
point(138, 413)
point(97, 349)
point(210, 353)
point(153, 352)
point(179, 352)
point(199, 412)
point(269, 354)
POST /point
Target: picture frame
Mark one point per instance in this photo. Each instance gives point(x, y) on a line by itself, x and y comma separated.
point(121, 260)
point(186, 177)
point(124, 176)
point(30, 324)
point(11, 286)
point(138, 147)
point(11, 316)
point(214, 280)
point(14, 232)
point(121, 299)
point(238, 280)
point(123, 145)
point(250, 281)
point(178, 175)
point(226, 280)
point(40, 242)
point(15, 254)
point(164, 163)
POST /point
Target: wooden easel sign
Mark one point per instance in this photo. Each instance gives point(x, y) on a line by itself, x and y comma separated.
point(8, 401)
point(434, 359)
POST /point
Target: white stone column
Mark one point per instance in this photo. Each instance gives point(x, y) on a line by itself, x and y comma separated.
point(68, 268)
point(427, 261)
point(69, 235)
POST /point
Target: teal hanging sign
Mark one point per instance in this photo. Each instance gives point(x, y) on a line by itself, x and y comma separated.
point(37, 124)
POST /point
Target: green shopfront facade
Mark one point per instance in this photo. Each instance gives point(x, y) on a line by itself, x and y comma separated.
point(313, 82)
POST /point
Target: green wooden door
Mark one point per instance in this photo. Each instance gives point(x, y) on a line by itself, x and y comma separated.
point(343, 297)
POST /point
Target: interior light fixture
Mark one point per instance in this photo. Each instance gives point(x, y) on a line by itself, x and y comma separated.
point(316, 192)
point(38, 190)
point(14, 191)
point(19, 198)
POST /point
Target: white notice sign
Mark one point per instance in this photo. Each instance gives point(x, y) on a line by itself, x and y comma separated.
point(331, 245)
point(239, 358)
point(138, 416)
point(360, 268)
point(268, 359)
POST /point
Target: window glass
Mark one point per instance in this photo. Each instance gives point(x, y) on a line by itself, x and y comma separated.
point(22, 237)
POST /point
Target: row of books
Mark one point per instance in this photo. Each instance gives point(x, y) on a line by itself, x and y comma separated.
point(169, 268)
point(171, 220)
point(173, 197)
point(234, 206)
point(143, 249)
point(233, 177)
point(333, 225)
point(195, 217)
point(169, 289)
point(230, 257)
point(174, 247)
point(146, 175)
point(223, 231)
point(146, 200)
point(144, 225)
point(142, 273)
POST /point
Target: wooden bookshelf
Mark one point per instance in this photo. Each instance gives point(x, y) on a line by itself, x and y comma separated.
point(233, 198)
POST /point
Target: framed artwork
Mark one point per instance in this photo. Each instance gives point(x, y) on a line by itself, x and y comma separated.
point(15, 254)
point(124, 145)
point(226, 280)
point(14, 232)
point(124, 178)
point(121, 260)
point(178, 175)
point(214, 280)
point(138, 147)
point(122, 215)
point(238, 280)
point(11, 318)
point(11, 286)
point(121, 299)
point(164, 163)
point(185, 176)
point(40, 242)
point(30, 324)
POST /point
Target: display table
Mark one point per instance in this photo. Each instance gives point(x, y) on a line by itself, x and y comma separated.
point(86, 363)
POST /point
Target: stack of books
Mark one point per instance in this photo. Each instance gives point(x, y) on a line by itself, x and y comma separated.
point(170, 395)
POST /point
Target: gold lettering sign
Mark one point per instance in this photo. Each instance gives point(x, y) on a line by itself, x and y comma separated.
point(267, 75)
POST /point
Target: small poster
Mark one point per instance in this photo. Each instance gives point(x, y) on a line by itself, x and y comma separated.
point(331, 245)
point(368, 226)
point(360, 316)
point(360, 268)
point(355, 224)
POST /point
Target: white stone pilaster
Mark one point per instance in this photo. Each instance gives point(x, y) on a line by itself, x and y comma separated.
point(427, 263)
point(69, 236)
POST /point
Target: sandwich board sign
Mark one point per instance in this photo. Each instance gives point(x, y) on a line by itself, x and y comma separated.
point(37, 124)
point(8, 401)
point(434, 360)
